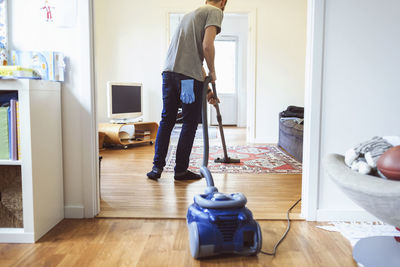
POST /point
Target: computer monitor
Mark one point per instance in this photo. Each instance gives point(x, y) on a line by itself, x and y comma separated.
point(125, 100)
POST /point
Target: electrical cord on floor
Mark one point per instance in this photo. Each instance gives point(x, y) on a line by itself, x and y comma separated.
point(286, 232)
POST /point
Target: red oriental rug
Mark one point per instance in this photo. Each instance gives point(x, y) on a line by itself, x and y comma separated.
point(253, 159)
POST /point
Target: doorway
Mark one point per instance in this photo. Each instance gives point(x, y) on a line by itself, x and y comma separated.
point(226, 60)
point(249, 89)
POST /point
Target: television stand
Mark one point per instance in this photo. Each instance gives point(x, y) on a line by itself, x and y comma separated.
point(113, 134)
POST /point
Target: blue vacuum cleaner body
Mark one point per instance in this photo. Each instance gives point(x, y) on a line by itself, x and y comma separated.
point(220, 223)
point(222, 231)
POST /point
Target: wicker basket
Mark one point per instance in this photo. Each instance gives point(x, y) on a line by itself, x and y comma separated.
point(101, 140)
point(11, 208)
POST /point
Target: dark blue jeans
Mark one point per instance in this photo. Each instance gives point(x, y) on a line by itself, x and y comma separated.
point(191, 116)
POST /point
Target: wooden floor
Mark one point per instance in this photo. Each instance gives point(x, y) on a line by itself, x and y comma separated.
point(137, 242)
point(153, 242)
point(126, 191)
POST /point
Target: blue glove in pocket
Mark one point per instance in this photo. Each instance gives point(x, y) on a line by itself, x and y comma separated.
point(187, 93)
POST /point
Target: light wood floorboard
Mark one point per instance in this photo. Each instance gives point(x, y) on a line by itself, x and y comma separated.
point(137, 242)
point(126, 191)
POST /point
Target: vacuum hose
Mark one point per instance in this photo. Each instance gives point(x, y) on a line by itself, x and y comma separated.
point(204, 171)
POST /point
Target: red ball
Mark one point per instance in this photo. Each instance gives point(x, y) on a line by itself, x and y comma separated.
point(389, 163)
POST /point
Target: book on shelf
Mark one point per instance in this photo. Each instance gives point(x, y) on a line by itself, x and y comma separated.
point(13, 129)
point(18, 132)
point(9, 131)
point(9, 127)
point(142, 135)
point(142, 138)
point(4, 140)
point(142, 132)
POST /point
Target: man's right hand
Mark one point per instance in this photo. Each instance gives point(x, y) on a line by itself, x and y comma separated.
point(213, 76)
point(212, 100)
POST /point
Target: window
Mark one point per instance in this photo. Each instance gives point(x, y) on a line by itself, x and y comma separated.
point(225, 65)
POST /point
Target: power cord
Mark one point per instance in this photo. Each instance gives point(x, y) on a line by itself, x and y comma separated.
point(286, 232)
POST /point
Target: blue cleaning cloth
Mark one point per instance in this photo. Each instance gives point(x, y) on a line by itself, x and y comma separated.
point(187, 93)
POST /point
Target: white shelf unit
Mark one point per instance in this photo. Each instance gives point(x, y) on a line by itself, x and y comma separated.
point(41, 159)
point(10, 162)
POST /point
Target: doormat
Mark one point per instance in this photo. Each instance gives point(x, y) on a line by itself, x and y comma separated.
point(253, 159)
point(355, 231)
point(212, 132)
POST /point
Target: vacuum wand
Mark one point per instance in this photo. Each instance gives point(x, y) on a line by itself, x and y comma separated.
point(226, 159)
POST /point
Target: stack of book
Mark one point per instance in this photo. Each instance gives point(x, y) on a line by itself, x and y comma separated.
point(142, 135)
point(17, 72)
point(9, 128)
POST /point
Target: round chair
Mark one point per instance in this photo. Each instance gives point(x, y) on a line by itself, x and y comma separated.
point(378, 196)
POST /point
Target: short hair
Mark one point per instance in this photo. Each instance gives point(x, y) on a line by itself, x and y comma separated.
point(217, 1)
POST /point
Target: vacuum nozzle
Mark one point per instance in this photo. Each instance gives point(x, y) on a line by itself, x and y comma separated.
point(227, 160)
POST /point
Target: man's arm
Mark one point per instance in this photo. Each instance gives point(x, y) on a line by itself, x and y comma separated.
point(209, 50)
point(210, 95)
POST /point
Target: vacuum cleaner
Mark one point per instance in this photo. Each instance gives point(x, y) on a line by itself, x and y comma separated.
point(225, 159)
point(220, 223)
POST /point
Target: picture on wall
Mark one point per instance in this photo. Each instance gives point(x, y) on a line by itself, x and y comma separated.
point(47, 11)
point(58, 13)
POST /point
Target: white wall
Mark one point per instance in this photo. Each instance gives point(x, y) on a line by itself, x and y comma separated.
point(281, 46)
point(28, 31)
point(131, 43)
point(360, 93)
point(238, 25)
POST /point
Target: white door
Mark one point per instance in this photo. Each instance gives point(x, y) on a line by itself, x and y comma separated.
point(226, 68)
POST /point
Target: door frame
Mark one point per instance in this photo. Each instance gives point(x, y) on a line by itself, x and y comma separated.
point(316, 12)
point(313, 99)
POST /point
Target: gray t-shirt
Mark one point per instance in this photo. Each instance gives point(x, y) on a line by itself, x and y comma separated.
point(185, 54)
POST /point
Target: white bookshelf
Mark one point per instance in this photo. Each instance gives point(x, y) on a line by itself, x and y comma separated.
point(10, 162)
point(41, 159)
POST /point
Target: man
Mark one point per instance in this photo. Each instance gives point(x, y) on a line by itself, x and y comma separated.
point(183, 78)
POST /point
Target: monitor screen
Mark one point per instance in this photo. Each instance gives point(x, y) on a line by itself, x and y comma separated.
point(126, 99)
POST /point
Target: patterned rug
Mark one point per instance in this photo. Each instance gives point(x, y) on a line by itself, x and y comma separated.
point(354, 231)
point(212, 132)
point(253, 159)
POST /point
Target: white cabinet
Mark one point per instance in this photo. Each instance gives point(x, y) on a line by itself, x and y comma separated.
point(40, 164)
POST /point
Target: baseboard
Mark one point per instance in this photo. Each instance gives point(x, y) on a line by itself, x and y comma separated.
point(345, 216)
point(16, 236)
point(74, 212)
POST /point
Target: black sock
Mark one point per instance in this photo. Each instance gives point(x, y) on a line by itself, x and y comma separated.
point(188, 175)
